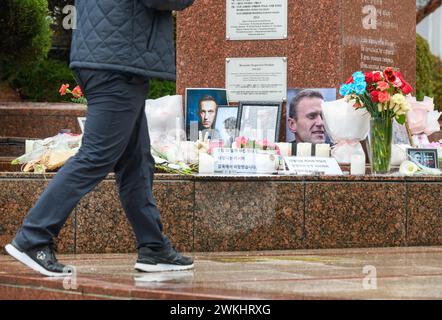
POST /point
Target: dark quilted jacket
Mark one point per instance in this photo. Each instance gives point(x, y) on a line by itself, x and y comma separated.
point(134, 36)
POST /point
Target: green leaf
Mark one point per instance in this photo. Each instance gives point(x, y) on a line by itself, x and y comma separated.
point(401, 119)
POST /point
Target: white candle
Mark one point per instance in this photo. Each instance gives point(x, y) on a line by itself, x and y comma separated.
point(323, 150)
point(357, 165)
point(206, 164)
point(285, 148)
point(304, 150)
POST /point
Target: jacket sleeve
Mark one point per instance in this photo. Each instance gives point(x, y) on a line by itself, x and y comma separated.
point(167, 4)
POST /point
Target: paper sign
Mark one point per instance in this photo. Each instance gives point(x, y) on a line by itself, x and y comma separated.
point(234, 161)
point(256, 19)
point(313, 165)
point(256, 79)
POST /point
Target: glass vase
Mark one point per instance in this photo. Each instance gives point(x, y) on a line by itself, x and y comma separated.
point(381, 133)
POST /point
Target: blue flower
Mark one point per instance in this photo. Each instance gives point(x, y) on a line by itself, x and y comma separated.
point(346, 89)
point(358, 76)
point(359, 87)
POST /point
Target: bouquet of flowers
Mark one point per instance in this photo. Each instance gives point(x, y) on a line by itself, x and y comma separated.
point(346, 127)
point(50, 154)
point(382, 94)
point(423, 120)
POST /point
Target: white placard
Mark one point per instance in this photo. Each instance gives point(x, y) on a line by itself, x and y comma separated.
point(81, 121)
point(256, 79)
point(234, 161)
point(313, 165)
point(256, 19)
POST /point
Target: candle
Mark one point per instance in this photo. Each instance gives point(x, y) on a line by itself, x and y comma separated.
point(304, 149)
point(206, 164)
point(258, 130)
point(357, 165)
point(323, 150)
point(285, 148)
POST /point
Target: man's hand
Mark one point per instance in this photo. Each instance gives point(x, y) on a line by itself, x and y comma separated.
point(168, 5)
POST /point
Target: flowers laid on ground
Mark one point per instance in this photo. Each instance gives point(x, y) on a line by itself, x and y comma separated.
point(170, 159)
point(49, 154)
point(382, 93)
point(77, 94)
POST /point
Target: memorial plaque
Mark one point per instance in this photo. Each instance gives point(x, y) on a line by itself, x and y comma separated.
point(256, 19)
point(256, 79)
point(377, 37)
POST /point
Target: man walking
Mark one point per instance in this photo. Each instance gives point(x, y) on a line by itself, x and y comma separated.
point(117, 47)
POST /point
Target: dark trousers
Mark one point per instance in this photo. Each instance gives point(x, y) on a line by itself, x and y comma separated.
point(115, 137)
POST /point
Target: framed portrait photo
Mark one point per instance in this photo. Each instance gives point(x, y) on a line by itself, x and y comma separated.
point(260, 120)
point(424, 157)
point(226, 124)
point(302, 120)
point(201, 110)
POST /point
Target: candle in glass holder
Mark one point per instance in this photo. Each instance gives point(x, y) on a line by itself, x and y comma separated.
point(323, 150)
point(285, 148)
point(357, 165)
point(304, 150)
point(206, 164)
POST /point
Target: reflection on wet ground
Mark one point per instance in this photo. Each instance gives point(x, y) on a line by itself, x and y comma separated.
point(383, 273)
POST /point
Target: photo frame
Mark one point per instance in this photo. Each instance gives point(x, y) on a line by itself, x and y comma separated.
point(328, 94)
point(425, 157)
point(226, 124)
point(260, 120)
point(195, 121)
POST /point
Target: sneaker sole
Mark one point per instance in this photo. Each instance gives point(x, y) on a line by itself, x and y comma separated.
point(27, 261)
point(160, 267)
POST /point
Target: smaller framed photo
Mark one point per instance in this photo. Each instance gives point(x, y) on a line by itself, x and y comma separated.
point(81, 122)
point(226, 124)
point(260, 120)
point(424, 157)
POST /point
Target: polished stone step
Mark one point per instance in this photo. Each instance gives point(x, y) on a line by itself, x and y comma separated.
point(39, 120)
point(400, 273)
point(214, 214)
point(12, 146)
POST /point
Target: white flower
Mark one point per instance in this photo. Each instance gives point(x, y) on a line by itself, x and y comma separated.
point(408, 168)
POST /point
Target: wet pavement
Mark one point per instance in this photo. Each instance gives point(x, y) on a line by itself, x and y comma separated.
point(383, 273)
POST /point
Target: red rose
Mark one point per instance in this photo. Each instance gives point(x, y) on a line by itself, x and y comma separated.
point(371, 88)
point(406, 87)
point(389, 75)
point(375, 96)
point(369, 77)
point(350, 80)
point(377, 76)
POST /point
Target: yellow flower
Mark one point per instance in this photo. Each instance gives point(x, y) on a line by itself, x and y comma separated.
point(398, 99)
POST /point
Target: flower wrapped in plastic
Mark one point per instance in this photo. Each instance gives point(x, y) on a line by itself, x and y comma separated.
point(50, 154)
point(346, 127)
point(423, 120)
